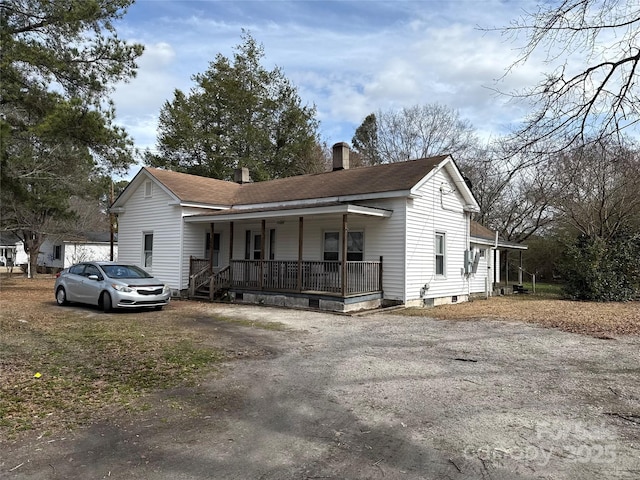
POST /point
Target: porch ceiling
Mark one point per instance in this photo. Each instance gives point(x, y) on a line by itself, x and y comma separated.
point(234, 214)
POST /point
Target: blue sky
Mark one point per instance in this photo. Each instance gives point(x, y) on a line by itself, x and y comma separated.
point(349, 58)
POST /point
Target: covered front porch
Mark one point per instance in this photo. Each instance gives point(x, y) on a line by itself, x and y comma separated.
point(323, 256)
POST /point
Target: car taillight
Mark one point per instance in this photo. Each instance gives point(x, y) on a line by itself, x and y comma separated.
point(58, 274)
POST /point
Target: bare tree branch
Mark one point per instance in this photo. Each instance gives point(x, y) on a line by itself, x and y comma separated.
point(592, 93)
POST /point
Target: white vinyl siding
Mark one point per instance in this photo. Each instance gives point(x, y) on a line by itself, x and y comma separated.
point(193, 245)
point(429, 212)
point(152, 215)
point(477, 279)
point(386, 237)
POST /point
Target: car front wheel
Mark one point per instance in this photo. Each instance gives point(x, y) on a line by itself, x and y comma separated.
point(61, 296)
point(107, 306)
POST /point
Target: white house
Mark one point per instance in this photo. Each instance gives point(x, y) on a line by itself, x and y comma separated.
point(343, 240)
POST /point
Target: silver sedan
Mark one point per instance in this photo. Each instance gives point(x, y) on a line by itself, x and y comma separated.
point(110, 285)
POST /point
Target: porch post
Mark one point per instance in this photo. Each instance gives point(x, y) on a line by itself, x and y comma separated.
point(344, 254)
point(262, 244)
point(211, 244)
point(230, 253)
point(520, 270)
point(300, 236)
point(506, 267)
point(230, 242)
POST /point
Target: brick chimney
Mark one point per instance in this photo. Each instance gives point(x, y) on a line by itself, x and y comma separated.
point(241, 175)
point(340, 156)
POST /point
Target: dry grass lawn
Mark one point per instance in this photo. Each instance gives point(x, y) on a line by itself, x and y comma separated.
point(595, 319)
point(64, 366)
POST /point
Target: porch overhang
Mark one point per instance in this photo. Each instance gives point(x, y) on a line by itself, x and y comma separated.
point(237, 214)
point(501, 243)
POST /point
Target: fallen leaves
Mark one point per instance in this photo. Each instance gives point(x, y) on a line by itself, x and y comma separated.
point(602, 320)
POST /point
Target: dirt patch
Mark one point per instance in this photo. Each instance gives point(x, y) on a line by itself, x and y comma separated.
point(601, 320)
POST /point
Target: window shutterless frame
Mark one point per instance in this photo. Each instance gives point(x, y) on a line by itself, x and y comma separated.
point(148, 249)
point(331, 247)
point(440, 253)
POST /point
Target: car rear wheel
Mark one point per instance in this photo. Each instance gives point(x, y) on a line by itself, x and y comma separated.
point(107, 306)
point(61, 296)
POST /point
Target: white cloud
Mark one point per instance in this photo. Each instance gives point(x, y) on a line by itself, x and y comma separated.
point(153, 84)
point(348, 58)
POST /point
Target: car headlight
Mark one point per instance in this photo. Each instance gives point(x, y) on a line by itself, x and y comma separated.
point(122, 288)
point(166, 288)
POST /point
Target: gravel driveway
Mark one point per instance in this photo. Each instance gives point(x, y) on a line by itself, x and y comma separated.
point(373, 396)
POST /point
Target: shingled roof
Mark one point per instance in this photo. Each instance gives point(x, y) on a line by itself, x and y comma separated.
point(364, 180)
point(480, 232)
point(196, 189)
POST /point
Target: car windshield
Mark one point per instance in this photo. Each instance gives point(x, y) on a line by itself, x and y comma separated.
point(125, 271)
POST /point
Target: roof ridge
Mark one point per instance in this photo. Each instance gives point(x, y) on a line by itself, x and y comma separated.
point(369, 179)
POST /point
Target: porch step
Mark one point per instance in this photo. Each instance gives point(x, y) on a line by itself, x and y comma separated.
point(203, 293)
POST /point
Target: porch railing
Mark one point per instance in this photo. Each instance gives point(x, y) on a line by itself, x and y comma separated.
point(314, 276)
point(200, 275)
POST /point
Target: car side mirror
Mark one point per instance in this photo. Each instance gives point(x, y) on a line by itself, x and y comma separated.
point(93, 277)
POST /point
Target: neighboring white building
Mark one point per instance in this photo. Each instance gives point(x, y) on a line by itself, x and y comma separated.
point(11, 250)
point(342, 240)
point(59, 253)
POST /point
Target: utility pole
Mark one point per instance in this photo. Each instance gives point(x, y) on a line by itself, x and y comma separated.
point(111, 223)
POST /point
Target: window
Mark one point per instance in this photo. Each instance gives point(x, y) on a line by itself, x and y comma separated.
point(257, 246)
point(253, 245)
point(148, 188)
point(57, 252)
point(272, 244)
point(440, 253)
point(483, 252)
point(331, 246)
point(216, 248)
point(148, 249)
point(355, 246)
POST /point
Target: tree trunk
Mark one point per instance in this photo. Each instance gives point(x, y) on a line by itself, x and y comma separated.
point(32, 243)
